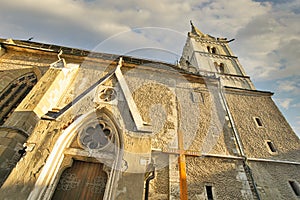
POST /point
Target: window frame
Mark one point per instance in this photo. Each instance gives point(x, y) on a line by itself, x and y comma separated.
point(295, 186)
point(258, 122)
point(271, 147)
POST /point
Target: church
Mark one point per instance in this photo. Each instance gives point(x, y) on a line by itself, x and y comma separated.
point(77, 124)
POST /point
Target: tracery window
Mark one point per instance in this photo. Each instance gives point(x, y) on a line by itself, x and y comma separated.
point(91, 159)
point(97, 135)
point(14, 93)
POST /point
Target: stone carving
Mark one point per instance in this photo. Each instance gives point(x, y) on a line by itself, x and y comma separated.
point(96, 135)
point(108, 94)
point(68, 181)
point(98, 185)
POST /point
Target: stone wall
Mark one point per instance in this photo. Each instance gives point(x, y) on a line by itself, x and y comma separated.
point(226, 176)
point(272, 179)
point(11, 142)
point(169, 102)
point(245, 108)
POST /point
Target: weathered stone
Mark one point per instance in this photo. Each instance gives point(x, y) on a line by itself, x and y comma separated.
point(148, 125)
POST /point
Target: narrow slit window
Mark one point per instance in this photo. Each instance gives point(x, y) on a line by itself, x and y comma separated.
point(209, 192)
point(296, 188)
point(258, 121)
point(271, 146)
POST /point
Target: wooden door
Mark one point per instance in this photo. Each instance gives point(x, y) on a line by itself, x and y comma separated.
point(83, 180)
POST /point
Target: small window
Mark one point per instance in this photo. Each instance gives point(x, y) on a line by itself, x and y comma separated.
point(258, 121)
point(197, 97)
point(222, 68)
point(208, 49)
point(271, 146)
point(209, 192)
point(214, 50)
point(296, 188)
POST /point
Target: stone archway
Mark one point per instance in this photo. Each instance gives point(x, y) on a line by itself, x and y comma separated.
point(80, 148)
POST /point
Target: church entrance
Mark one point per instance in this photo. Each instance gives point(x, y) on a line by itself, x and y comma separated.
point(83, 180)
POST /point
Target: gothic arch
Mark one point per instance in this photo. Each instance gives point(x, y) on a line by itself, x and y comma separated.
point(14, 93)
point(72, 145)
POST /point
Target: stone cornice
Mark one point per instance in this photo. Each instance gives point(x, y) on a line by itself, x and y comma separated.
point(233, 90)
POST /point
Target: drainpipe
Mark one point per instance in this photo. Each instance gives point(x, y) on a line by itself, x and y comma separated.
point(149, 178)
point(237, 137)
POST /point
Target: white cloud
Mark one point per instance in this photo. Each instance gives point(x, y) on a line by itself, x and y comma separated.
point(291, 86)
point(297, 105)
point(267, 34)
point(270, 42)
point(97, 20)
point(285, 103)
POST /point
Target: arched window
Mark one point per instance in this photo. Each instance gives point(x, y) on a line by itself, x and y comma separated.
point(214, 50)
point(222, 68)
point(208, 49)
point(14, 93)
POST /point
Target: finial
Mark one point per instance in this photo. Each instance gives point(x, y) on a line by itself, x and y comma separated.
point(195, 30)
point(120, 61)
point(59, 54)
point(60, 63)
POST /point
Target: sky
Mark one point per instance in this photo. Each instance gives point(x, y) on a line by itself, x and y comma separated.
point(266, 33)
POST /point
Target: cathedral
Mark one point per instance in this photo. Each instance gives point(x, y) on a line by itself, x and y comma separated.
point(77, 124)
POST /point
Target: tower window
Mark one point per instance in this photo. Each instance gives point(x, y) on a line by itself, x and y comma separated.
point(209, 192)
point(222, 68)
point(213, 50)
point(271, 146)
point(296, 188)
point(208, 49)
point(258, 121)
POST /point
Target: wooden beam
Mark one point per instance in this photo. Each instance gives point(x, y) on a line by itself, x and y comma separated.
point(182, 168)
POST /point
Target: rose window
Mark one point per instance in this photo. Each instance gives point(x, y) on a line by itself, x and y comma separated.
point(96, 135)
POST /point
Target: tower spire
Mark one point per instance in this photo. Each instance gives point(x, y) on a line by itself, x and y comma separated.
point(195, 30)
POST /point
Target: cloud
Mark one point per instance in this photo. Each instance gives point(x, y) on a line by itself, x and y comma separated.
point(270, 43)
point(291, 86)
point(82, 23)
point(266, 32)
point(285, 103)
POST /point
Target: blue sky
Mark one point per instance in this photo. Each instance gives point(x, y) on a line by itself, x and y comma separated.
point(266, 32)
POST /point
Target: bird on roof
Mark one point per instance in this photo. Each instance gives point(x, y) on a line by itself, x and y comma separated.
point(30, 39)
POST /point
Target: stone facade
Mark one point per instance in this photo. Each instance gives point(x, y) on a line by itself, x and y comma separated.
point(144, 129)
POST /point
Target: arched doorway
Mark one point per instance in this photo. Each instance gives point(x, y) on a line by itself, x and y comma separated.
point(90, 149)
point(83, 180)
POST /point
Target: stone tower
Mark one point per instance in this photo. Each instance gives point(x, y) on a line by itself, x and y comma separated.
point(203, 52)
point(85, 125)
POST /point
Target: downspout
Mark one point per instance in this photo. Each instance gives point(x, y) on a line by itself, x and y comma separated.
point(235, 132)
point(237, 137)
point(149, 178)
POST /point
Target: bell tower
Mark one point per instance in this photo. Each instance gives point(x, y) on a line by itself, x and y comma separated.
point(204, 53)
